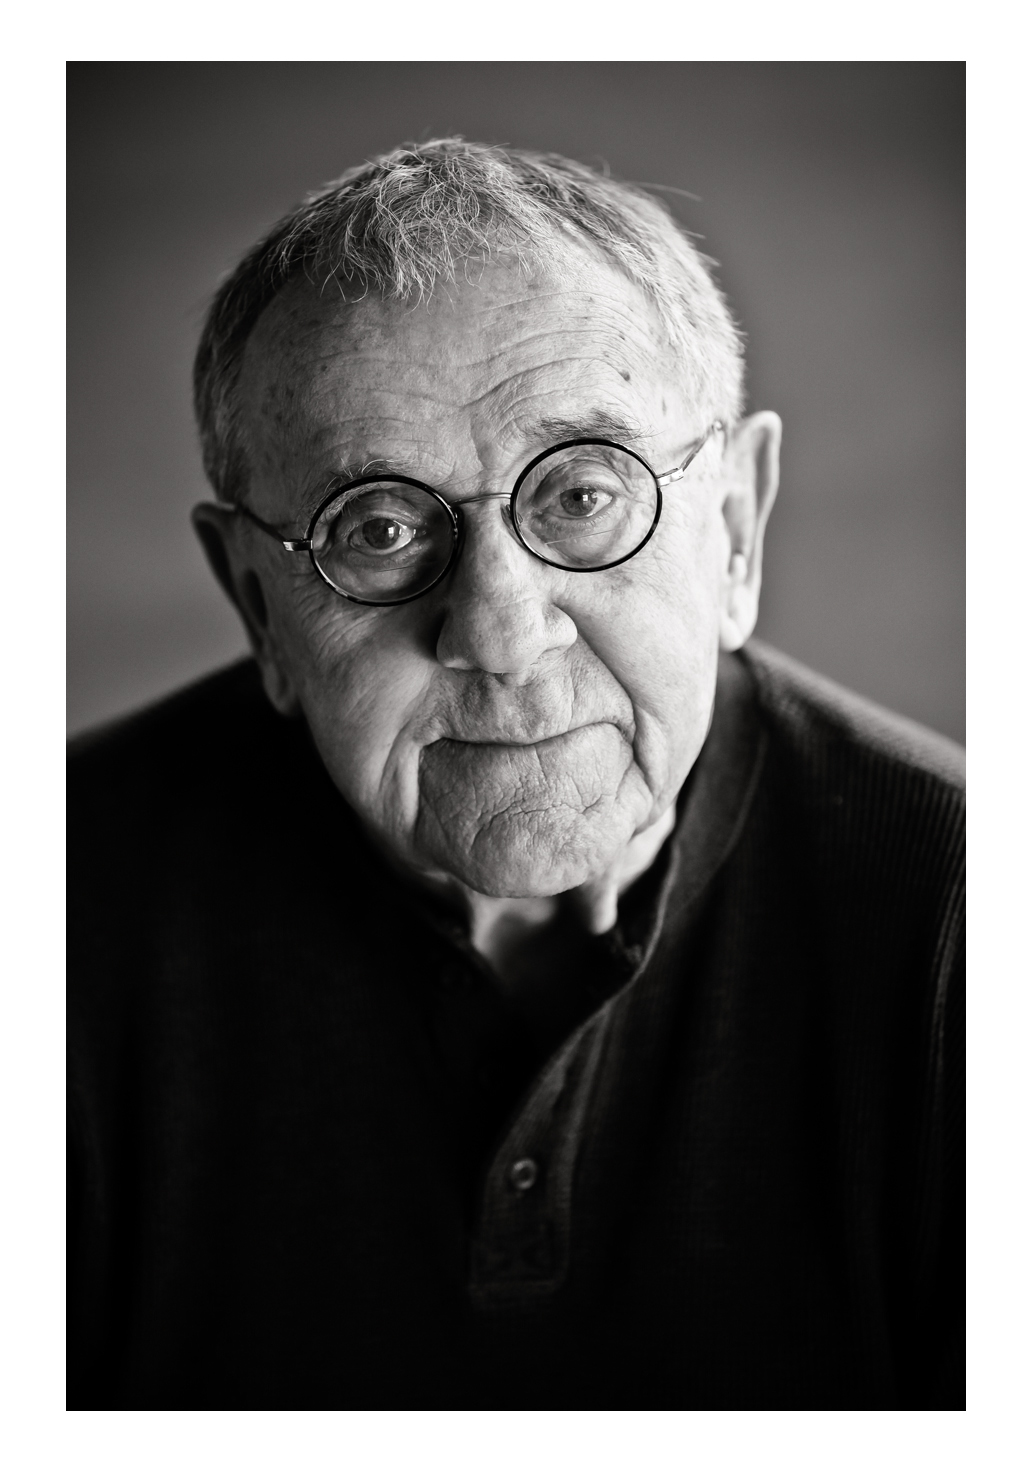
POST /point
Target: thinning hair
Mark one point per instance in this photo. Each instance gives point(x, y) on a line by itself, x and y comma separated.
point(420, 214)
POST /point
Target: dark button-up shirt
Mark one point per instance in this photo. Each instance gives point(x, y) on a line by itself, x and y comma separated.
point(320, 1161)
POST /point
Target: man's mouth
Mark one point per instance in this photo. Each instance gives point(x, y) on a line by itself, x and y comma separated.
point(518, 742)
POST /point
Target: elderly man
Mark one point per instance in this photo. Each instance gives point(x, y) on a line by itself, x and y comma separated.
point(510, 987)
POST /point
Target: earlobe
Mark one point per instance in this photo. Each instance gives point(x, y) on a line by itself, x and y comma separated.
point(738, 613)
point(279, 689)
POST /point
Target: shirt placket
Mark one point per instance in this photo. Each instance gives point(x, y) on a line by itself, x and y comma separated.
point(521, 1246)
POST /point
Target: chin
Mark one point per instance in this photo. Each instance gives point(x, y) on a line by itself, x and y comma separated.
point(517, 881)
point(520, 864)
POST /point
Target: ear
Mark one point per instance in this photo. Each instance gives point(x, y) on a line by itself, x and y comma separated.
point(222, 534)
point(751, 473)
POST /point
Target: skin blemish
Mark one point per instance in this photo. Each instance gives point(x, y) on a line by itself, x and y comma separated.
point(625, 375)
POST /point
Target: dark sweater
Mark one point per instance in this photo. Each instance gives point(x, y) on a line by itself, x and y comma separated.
point(303, 1119)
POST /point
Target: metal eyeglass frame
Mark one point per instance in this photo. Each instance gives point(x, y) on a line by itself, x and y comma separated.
point(453, 509)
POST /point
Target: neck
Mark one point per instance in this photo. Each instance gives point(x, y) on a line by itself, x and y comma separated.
point(512, 933)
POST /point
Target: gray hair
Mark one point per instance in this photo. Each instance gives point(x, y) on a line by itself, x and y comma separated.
point(412, 217)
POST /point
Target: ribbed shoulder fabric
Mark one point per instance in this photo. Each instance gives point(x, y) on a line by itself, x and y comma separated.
point(881, 797)
point(811, 705)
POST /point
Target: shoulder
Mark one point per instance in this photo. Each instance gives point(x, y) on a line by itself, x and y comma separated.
point(204, 749)
point(876, 799)
point(191, 829)
point(182, 788)
point(817, 716)
point(177, 735)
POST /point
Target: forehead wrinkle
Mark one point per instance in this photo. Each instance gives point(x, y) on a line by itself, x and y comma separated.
point(531, 410)
point(369, 334)
point(596, 335)
point(500, 400)
point(625, 300)
point(515, 389)
point(415, 456)
point(504, 354)
point(374, 444)
point(536, 379)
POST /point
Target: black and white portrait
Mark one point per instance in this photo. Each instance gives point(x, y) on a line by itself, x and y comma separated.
point(516, 689)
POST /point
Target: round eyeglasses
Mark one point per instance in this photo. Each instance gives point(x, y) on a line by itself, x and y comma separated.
point(583, 506)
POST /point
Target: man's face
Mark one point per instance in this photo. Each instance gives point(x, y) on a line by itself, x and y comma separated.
point(516, 726)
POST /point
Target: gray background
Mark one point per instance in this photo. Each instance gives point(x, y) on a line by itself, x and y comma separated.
point(830, 193)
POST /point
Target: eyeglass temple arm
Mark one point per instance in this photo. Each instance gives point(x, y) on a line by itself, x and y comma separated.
point(302, 545)
point(678, 473)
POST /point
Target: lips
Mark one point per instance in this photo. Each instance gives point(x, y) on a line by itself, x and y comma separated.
point(520, 741)
point(575, 769)
point(480, 711)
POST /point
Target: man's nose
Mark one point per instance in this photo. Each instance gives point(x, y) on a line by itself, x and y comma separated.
point(499, 615)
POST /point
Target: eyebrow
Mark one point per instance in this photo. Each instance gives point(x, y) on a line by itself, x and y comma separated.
point(340, 478)
point(599, 424)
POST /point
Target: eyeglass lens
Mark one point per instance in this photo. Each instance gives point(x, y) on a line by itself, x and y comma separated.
point(586, 506)
point(383, 542)
point(582, 507)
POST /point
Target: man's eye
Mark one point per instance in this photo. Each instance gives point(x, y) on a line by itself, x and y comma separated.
point(380, 533)
point(583, 502)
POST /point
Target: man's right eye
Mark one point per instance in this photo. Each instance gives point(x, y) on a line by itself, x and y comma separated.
point(380, 534)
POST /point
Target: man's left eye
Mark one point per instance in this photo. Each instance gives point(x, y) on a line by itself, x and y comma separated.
point(583, 502)
point(382, 534)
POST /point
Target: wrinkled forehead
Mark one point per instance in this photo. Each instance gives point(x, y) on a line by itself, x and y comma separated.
point(494, 353)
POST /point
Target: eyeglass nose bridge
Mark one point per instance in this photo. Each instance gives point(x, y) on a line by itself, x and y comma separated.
point(475, 499)
point(508, 516)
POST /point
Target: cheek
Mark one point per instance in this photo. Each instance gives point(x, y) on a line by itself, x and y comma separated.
point(654, 623)
point(363, 675)
point(685, 574)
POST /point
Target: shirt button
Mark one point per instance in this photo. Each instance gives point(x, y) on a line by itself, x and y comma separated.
point(523, 1175)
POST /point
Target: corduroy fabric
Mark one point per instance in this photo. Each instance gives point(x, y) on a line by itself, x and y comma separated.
point(296, 1096)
